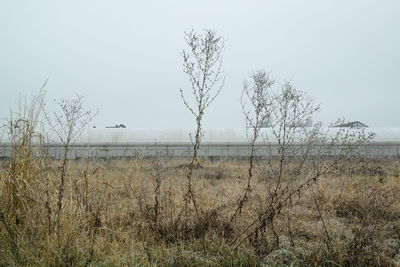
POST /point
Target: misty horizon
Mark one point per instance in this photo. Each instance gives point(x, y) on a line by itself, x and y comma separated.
point(125, 57)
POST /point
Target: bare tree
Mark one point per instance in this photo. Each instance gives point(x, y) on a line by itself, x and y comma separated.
point(292, 108)
point(303, 150)
point(67, 124)
point(202, 64)
point(256, 101)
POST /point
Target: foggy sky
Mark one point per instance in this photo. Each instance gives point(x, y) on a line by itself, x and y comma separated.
point(124, 56)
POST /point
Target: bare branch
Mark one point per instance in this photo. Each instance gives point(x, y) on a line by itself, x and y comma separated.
point(202, 64)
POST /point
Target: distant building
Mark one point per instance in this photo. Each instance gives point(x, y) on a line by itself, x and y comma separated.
point(352, 124)
point(117, 126)
point(267, 123)
point(305, 123)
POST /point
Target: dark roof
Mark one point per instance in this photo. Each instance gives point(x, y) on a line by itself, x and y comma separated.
point(354, 124)
point(117, 126)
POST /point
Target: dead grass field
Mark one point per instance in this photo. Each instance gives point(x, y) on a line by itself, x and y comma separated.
point(114, 215)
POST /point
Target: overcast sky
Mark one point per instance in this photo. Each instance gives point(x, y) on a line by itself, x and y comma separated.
point(124, 56)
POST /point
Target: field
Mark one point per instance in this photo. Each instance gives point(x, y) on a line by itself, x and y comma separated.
point(137, 213)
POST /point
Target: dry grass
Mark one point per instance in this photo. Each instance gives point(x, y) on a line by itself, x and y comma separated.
point(109, 218)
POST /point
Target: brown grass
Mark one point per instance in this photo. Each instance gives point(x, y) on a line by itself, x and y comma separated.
point(108, 218)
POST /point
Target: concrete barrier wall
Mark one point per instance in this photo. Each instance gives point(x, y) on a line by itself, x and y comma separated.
point(210, 150)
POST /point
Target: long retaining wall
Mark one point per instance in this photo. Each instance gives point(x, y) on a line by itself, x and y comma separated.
point(207, 150)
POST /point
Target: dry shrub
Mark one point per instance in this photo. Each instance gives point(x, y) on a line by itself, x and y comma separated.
point(216, 174)
point(364, 167)
point(372, 203)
